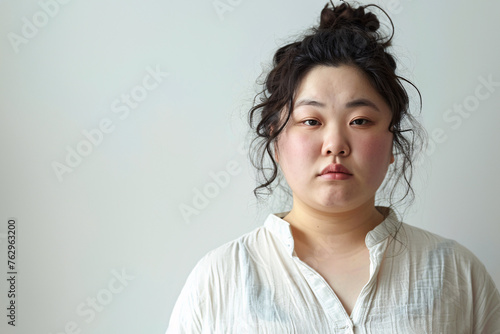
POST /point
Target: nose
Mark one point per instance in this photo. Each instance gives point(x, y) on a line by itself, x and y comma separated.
point(335, 143)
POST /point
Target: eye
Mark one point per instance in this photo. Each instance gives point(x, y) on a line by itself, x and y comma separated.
point(311, 122)
point(360, 121)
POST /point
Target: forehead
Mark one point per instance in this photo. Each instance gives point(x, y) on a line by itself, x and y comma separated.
point(333, 85)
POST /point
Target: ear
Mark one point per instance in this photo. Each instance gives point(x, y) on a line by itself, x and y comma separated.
point(392, 158)
point(276, 151)
point(275, 145)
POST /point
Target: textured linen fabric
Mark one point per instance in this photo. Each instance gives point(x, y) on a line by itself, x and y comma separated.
point(419, 283)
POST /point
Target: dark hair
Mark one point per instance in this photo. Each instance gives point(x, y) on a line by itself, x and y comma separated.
point(345, 36)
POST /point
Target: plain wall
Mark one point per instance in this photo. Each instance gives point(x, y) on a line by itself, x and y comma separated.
point(102, 245)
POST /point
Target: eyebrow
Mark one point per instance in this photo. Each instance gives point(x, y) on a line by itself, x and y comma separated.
point(308, 102)
point(361, 103)
point(351, 104)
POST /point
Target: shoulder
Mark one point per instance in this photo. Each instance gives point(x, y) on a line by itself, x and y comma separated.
point(432, 244)
point(212, 282)
point(224, 272)
point(435, 255)
point(461, 274)
point(444, 273)
point(252, 247)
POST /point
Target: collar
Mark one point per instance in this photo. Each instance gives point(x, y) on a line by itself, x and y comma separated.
point(281, 228)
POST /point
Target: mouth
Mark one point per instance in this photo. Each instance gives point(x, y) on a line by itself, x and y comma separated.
point(335, 168)
point(335, 172)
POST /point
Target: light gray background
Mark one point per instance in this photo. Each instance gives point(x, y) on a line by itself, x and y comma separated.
point(119, 209)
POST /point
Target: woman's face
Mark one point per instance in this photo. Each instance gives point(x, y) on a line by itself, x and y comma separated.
point(339, 121)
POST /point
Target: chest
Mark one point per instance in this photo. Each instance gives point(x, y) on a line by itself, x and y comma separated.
point(293, 296)
point(346, 277)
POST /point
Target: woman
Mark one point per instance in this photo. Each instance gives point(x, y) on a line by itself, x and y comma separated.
point(334, 119)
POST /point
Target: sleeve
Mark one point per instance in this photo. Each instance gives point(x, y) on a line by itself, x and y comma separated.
point(187, 315)
point(486, 301)
point(488, 317)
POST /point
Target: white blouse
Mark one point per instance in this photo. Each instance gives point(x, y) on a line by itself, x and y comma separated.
point(419, 283)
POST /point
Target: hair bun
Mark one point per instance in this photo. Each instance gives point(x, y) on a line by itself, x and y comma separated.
point(345, 15)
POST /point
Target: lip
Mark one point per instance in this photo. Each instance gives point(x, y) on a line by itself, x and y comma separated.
point(335, 172)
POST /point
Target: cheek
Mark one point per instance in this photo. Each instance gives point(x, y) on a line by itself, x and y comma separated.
point(297, 151)
point(378, 151)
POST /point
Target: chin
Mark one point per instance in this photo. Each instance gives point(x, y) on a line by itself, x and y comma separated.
point(335, 205)
point(340, 204)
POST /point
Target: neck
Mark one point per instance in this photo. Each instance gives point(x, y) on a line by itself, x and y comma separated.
point(341, 233)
